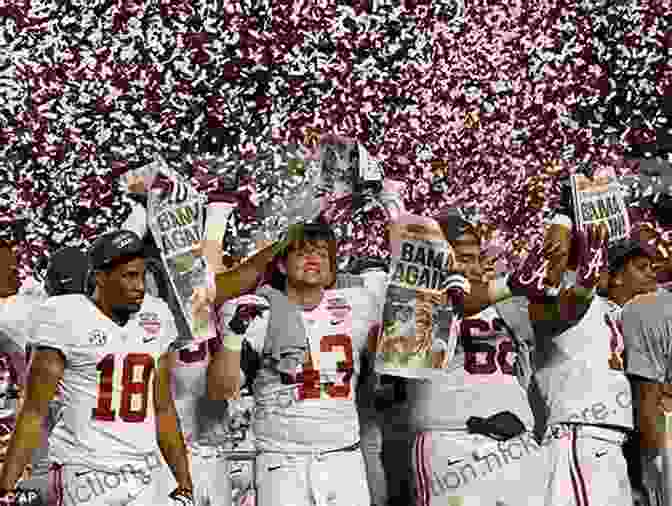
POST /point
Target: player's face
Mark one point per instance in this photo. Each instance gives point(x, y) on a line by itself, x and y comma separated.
point(639, 276)
point(125, 284)
point(308, 264)
point(468, 256)
point(9, 279)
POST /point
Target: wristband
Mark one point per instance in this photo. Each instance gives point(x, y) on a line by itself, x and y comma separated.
point(552, 291)
point(499, 289)
point(562, 219)
point(232, 342)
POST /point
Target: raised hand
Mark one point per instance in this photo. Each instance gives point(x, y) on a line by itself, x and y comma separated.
point(591, 248)
point(530, 278)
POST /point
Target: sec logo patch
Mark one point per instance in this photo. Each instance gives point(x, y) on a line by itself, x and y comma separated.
point(97, 337)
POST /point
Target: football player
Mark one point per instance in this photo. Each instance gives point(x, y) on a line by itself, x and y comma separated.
point(107, 353)
point(66, 273)
point(306, 423)
point(588, 416)
point(630, 273)
point(15, 313)
point(468, 420)
point(647, 330)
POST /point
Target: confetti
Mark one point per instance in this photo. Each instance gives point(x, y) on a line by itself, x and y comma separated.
point(509, 97)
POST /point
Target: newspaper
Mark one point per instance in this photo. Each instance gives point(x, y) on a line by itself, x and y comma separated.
point(416, 320)
point(175, 213)
point(600, 200)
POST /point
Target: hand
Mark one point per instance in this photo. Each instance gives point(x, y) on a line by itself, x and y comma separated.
point(591, 247)
point(4, 444)
point(182, 497)
point(136, 184)
point(529, 279)
point(457, 287)
point(201, 299)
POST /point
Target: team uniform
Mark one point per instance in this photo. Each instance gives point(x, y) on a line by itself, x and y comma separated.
point(203, 427)
point(486, 375)
point(647, 329)
point(15, 321)
point(306, 423)
point(588, 410)
point(104, 444)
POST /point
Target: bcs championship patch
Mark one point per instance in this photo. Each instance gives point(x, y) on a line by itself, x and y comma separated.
point(150, 322)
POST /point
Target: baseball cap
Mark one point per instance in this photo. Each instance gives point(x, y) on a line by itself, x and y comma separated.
point(624, 250)
point(109, 248)
point(454, 223)
point(67, 271)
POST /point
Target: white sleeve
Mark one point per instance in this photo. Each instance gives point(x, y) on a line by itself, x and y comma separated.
point(376, 281)
point(169, 332)
point(52, 327)
point(136, 221)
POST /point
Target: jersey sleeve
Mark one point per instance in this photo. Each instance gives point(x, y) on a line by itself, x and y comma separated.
point(647, 332)
point(366, 308)
point(376, 282)
point(170, 332)
point(515, 314)
point(52, 325)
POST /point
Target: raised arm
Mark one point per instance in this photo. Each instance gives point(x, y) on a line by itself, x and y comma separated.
point(244, 277)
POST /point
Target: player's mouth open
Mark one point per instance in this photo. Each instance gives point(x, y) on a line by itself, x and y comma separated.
point(311, 268)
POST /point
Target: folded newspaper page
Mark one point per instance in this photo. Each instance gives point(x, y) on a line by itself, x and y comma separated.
point(600, 200)
point(175, 215)
point(419, 335)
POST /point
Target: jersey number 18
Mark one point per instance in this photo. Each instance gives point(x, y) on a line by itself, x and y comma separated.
point(130, 387)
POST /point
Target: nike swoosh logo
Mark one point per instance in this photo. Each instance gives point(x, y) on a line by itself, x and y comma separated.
point(453, 462)
point(600, 454)
point(148, 339)
point(274, 468)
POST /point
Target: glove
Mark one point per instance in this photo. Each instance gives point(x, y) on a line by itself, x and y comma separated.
point(361, 264)
point(182, 497)
point(591, 250)
point(528, 279)
point(457, 287)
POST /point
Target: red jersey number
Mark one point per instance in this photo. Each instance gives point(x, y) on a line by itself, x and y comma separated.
point(311, 388)
point(104, 411)
point(482, 357)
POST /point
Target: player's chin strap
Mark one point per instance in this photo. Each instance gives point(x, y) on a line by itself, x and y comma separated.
point(182, 497)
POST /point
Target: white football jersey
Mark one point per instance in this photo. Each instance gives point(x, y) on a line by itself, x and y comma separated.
point(582, 380)
point(315, 408)
point(107, 420)
point(479, 380)
point(15, 317)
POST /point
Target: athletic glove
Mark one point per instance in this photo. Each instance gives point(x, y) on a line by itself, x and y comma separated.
point(457, 287)
point(182, 497)
point(591, 247)
point(361, 264)
point(528, 279)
